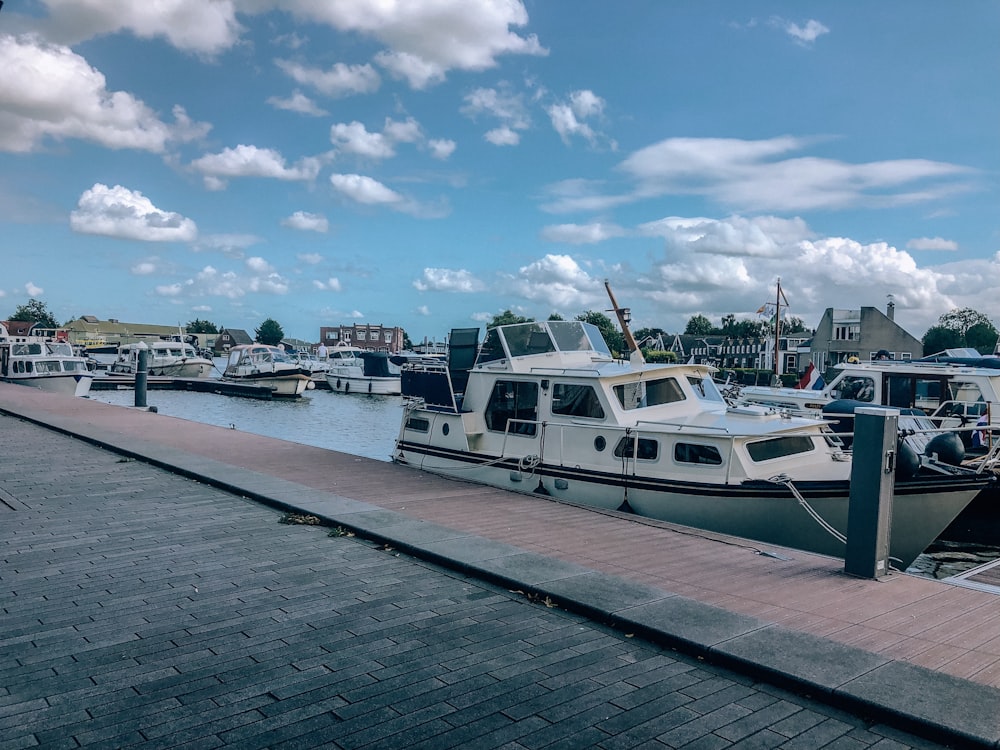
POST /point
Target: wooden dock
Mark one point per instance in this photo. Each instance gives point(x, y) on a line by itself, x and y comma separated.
point(951, 629)
point(113, 382)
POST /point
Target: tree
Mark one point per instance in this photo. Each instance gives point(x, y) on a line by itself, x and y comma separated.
point(506, 318)
point(982, 337)
point(36, 312)
point(699, 325)
point(201, 326)
point(938, 338)
point(614, 338)
point(556, 316)
point(269, 333)
point(793, 325)
point(964, 319)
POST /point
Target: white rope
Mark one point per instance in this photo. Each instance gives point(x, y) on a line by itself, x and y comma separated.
point(786, 480)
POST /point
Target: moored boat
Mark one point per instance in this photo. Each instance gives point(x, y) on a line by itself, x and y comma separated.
point(359, 371)
point(547, 409)
point(269, 366)
point(175, 359)
point(44, 363)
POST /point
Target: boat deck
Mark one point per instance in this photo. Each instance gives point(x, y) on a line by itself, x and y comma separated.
point(950, 629)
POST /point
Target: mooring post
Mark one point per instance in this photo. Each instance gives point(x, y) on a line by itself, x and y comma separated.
point(141, 368)
point(873, 473)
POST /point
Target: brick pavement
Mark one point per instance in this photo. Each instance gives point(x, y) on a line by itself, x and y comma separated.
point(144, 609)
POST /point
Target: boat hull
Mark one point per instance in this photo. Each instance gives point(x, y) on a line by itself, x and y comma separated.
point(368, 386)
point(66, 384)
point(763, 511)
point(282, 386)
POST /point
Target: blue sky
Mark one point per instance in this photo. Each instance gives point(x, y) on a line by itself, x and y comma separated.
point(430, 163)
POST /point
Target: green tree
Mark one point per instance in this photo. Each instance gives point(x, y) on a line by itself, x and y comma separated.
point(699, 325)
point(938, 338)
point(614, 338)
point(506, 318)
point(982, 337)
point(556, 316)
point(963, 319)
point(793, 325)
point(35, 311)
point(269, 333)
point(201, 326)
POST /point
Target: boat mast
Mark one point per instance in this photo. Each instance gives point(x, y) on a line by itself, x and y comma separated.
point(779, 296)
point(623, 319)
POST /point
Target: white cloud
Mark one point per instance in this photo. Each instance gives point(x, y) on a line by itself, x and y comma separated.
point(364, 189)
point(330, 285)
point(448, 280)
point(127, 214)
point(932, 243)
point(311, 258)
point(580, 234)
point(338, 81)
point(803, 35)
point(49, 91)
point(191, 25)
point(297, 102)
point(752, 176)
point(503, 104)
point(765, 236)
point(423, 310)
point(230, 245)
point(33, 290)
point(250, 161)
point(441, 149)
point(145, 267)
point(568, 118)
point(307, 222)
point(559, 281)
point(258, 265)
point(354, 138)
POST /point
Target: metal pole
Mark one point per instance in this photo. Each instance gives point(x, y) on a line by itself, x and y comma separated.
point(141, 369)
point(869, 514)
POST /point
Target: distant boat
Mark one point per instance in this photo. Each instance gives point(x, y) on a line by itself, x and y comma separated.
point(44, 363)
point(268, 366)
point(175, 359)
point(356, 370)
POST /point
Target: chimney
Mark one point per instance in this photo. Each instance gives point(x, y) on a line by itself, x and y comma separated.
point(890, 309)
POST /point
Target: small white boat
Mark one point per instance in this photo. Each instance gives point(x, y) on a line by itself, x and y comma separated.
point(43, 363)
point(173, 359)
point(356, 370)
point(547, 409)
point(268, 366)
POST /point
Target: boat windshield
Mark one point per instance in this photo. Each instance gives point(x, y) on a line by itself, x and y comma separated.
point(525, 339)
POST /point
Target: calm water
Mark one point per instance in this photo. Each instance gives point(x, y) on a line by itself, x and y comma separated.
point(368, 425)
point(360, 425)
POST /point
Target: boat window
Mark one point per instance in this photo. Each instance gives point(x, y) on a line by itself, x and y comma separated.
point(47, 366)
point(530, 338)
point(576, 401)
point(642, 448)
point(642, 393)
point(418, 424)
point(856, 389)
point(693, 453)
point(705, 388)
point(492, 348)
point(513, 400)
point(779, 447)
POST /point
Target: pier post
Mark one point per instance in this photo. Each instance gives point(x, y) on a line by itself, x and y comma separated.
point(872, 482)
point(141, 370)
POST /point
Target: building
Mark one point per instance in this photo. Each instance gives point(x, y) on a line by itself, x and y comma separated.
point(861, 333)
point(364, 336)
point(89, 332)
point(228, 338)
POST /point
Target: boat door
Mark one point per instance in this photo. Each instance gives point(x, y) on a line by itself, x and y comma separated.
point(512, 409)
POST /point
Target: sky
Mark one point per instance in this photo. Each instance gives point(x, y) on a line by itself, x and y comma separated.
point(432, 163)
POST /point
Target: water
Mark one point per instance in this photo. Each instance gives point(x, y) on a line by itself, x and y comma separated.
point(360, 425)
point(368, 426)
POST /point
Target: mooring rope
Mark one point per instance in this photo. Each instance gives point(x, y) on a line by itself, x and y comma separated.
point(787, 481)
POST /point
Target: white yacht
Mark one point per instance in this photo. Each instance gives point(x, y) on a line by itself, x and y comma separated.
point(269, 366)
point(43, 363)
point(355, 370)
point(547, 409)
point(174, 359)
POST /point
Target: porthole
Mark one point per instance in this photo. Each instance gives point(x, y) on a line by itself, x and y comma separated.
point(600, 443)
point(445, 429)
